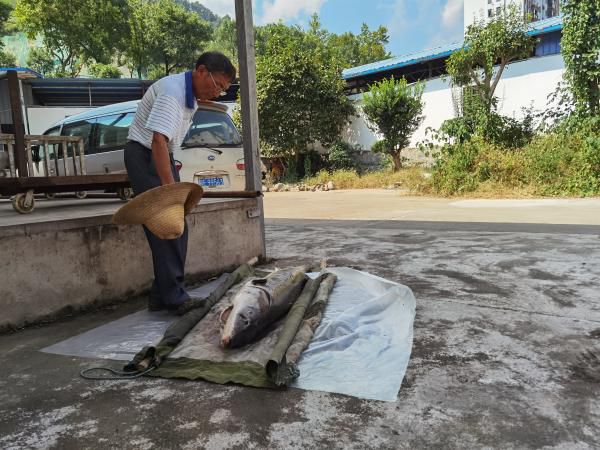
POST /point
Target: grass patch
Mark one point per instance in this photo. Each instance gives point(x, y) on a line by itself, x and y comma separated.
point(411, 178)
point(552, 165)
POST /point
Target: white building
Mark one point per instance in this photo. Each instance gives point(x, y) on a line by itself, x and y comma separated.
point(483, 10)
point(524, 84)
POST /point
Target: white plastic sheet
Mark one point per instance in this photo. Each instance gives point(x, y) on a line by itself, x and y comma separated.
point(364, 341)
point(361, 348)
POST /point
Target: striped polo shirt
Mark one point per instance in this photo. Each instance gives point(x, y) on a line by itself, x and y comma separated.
point(167, 108)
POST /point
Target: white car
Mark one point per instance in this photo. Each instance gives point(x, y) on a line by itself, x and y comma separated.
point(211, 154)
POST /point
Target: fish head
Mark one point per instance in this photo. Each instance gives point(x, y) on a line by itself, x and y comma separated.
point(241, 321)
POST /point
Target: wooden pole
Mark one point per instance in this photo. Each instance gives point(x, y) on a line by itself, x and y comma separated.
point(17, 119)
point(247, 63)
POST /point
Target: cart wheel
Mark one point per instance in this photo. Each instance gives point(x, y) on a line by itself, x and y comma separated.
point(20, 205)
point(81, 194)
point(125, 193)
point(50, 196)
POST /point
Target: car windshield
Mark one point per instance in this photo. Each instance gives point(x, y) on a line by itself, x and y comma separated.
point(212, 129)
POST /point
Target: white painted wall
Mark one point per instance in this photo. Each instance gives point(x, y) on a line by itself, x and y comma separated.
point(524, 84)
point(43, 117)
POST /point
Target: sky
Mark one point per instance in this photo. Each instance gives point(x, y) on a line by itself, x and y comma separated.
point(413, 25)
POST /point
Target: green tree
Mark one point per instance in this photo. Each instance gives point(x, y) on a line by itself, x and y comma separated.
point(364, 48)
point(40, 60)
point(137, 48)
point(394, 109)
point(580, 46)
point(180, 36)
point(162, 33)
point(487, 50)
point(7, 59)
point(225, 38)
point(300, 93)
point(74, 32)
point(100, 70)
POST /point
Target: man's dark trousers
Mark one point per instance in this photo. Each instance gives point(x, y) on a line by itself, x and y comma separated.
point(168, 255)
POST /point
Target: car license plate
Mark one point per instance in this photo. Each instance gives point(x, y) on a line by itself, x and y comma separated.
point(211, 182)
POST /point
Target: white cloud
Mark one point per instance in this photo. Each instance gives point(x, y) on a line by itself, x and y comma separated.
point(416, 25)
point(220, 7)
point(275, 10)
point(452, 14)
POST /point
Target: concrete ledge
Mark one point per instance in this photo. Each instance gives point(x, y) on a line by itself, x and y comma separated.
point(53, 267)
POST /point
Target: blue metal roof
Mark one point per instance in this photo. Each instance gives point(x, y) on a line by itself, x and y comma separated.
point(22, 72)
point(535, 29)
point(402, 61)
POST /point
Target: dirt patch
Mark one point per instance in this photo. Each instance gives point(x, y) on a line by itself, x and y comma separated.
point(476, 285)
point(562, 297)
point(538, 274)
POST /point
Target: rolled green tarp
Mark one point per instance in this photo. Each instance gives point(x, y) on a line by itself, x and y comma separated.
point(280, 370)
point(190, 348)
point(154, 355)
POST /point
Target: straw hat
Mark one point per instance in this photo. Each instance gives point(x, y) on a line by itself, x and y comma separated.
point(162, 209)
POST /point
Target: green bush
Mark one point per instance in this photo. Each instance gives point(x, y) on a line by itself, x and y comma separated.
point(341, 156)
point(492, 128)
point(555, 164)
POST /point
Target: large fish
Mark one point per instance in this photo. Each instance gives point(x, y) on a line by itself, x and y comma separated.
point(259, 303)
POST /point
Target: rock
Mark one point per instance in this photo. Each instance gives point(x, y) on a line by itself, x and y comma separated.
point(331, 186)
point(325, 188)
point(278, 187)
point(266, 189)
point(313, 189)
point(286, 188)
point(398, 184)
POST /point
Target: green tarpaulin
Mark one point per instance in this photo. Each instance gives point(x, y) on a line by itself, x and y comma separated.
point(190, 347)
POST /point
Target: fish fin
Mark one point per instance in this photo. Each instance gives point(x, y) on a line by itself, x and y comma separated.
point(225, 315)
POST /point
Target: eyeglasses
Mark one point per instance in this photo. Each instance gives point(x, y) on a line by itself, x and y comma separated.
point(221, 91)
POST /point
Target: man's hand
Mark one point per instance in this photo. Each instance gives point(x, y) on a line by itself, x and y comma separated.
point(162, 162)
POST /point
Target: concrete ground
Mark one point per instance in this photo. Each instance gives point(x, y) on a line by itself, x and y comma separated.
point(383, 204)
point(503, 310)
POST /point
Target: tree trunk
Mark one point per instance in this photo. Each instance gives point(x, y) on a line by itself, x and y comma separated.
point(397, 161)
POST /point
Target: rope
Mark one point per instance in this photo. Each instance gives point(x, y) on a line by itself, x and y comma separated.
point(118, 375)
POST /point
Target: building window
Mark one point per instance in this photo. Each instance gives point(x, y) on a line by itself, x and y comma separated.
point(541, 9)
point(489, 2)
point(498, 9)
point(490, 13)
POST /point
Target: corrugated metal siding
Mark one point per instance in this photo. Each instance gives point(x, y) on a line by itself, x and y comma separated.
point(549, 44)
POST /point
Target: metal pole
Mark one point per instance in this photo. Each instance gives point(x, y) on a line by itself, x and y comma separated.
point(46, 158)
point(247, 63)
point(82, 157)
point(25, 114)
point(17, 120)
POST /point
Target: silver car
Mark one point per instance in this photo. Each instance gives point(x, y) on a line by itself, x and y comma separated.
point(211, 154)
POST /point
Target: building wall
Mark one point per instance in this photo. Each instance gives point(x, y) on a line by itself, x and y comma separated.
point(524, 84)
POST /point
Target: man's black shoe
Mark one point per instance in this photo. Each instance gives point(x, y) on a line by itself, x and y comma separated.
point(189, 304)
point(154, 305)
